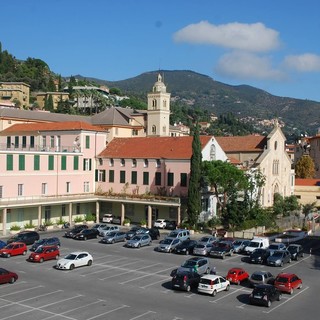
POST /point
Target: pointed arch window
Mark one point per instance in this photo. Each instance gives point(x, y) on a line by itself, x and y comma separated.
point(212, 152)
point(154, 103)
point(154, 129)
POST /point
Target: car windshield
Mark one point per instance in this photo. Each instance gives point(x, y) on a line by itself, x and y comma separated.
point(173, 234)
point(189, 264)
point(258, 252)
point(292, 248)
point(232, 272)
point(200, 246)
point(106, 228)
point(39, 250)
point(257, 277)
point(254, 244)
point(277, 254)
point(41, 241)
point(204, 239)
point(260, 291)
point(137, 238)
point(71, 256)
point(166, 241)
point(112, 234)
point(282, 279)
point(237, 243)
point(9, 246)
point(273, 247)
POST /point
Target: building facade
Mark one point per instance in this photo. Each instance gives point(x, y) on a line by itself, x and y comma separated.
point(15, 91)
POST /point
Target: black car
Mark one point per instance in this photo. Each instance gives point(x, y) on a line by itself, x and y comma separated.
point(171, 225)
point(154, 233)
point(86, 234)
point(71, 233)
point(53, 241)
point(264, 294)
point(296, 251)
point(184, 280)
point(259, 256)
point(185, 247)
point(27, 237)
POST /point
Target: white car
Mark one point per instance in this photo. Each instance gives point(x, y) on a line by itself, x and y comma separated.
point(160, 223)
point(211, 284)
point(74, 260)
point(108, 217)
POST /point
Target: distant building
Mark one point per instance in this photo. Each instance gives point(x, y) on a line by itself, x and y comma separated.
point(56, 98)
point(15, 91)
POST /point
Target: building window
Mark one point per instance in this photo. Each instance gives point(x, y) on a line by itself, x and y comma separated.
point(134, 163)
point(16, 142)
point(111, 175)
point(76, 163)
point(44, 142)
point(111, 162)
point(31, 141)
point(20, 190)
point(78, 208)
point(50, 163)
point(44, 188)
point(170, 179)
point(154, 104)
point(275, 167)
point(68, 186)
point(63, 210)
point(8, 142)
point(9, 162)
point(52, 141)
point(146, 178)
point(122, 176)
point(63, 162)
point(47, 213)
point(122, 162)
point(183, 179)
point(86, 186)
point(146, 163)
point(86, 164)
point(158, 163)
point(158, 179)
point(154, 129)
point(22, 162)
point(1, 192)
point(24, 142)
point(101, 175)
point(87, 142)
point(134, 132)
point(134, 177)
point(36, 162)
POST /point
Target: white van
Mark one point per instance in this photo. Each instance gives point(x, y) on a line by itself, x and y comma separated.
point(107, 218)
point(257, 243)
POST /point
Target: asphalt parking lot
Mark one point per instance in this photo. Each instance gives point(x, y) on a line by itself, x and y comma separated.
point(129, 284)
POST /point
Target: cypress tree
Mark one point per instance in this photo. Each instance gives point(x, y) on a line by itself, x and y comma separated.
point(194, 190)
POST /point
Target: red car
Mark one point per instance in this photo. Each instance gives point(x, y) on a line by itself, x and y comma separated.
point(287, 282)
point(7, 276)
point(44, 253)
point(14, 249)
point(237, 275)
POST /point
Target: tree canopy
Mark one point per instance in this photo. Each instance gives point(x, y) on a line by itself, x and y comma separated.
point(305, 167)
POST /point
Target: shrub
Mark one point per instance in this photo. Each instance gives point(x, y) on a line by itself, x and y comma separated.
point(48, 223)
point(61, 221)
point(29, 225)
point(143, 222)
point(78, 219)
point(15, 228)
point(125, 221)
point(90, 217)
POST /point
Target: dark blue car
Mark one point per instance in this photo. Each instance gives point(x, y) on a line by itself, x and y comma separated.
point(2, 244)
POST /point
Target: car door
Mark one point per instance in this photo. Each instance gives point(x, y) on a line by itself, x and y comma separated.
point(223, 283)
point(81, 260)
point(3, 276)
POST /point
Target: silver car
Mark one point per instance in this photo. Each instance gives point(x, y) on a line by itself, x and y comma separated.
point(139, 240)
point(114, 236)
point(106, 230)
point(202, 249)
point(200, 265)
point(168, 245)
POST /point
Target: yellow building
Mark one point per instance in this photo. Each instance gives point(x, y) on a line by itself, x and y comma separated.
point(56, 97)
point(15, 91)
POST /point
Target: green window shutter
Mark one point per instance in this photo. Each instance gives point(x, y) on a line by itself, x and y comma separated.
point(134, 177)
point(103, 175)
point(90, 162)
point(76, 163)
point(122, 176)
point(111, 175)
point(63, 162)
point(183, 179)
point(22, 162)
point(170, 179)
point(9, 162)
point(31, 141)
point(87, 142)
point(51, 163)
point(158, 179)
point(96, 174)
point(146, 178)
point(36, 162)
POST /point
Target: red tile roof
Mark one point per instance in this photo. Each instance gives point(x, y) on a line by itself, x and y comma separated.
point(307, 182)
point(152, 147)
point(50, 126)
point(242, 143)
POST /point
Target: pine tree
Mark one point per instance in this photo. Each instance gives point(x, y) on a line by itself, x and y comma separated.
point(194, 192)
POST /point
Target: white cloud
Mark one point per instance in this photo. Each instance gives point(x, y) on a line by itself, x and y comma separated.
point(307, 62)
point(244, 65)
point(249, 37)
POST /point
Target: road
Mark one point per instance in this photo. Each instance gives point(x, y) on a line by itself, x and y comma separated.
point(132, 284)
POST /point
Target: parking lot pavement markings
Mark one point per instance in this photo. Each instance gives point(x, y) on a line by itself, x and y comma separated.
point(147, 275)
point(39, 296)
point(156, 282)
point(60, 301)
point(295, 263)
point(24, 290)
point(107, 312)
point(287, 300)
point(102, 257)
point(142, 315)
point(226, 295)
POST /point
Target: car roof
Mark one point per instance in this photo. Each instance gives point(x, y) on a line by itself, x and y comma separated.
point(197, 259)
point(236, 269)
point(260, 272)
point(286, 275)
point(17, 242)
point(211, 276)
point(78, 252)
point(263, 286)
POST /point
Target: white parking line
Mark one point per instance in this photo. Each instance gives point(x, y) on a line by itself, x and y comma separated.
point(41, 295)
point(110, 267)
point(226, 295)
point(9, 294)
point(295, 263)
point(153, 283)
point(113, 310)
point(142, 315)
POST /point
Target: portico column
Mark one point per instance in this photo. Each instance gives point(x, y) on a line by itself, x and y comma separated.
point(149, 216)
point(39, 216)
point(179, 216)
point(97, 211)
point(122, 213)
point(70, 213)
point(4, 221)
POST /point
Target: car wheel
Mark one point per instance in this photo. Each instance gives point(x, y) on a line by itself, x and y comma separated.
point(291, 291)
point(41, 260)
point(268, 303)
point(227, 287)
point(222, 256)
point(214, 293)
point(188, 288)
point(71, 267)
point(85, 238)
point(289, 260)
point(150, 243)
point(280, 296)
point(89, 263)
point(24, 252)
point(281, 264)
point(238, 282)
point(187, 252)
point(302, 255)
point(139, 245)
point(112, 241)
point(12, 280)
point(8, 255)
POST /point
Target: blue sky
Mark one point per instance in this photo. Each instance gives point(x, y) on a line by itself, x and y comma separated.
point(270, 44)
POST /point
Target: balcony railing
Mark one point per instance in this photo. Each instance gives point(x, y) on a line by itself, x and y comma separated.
point(20, 147)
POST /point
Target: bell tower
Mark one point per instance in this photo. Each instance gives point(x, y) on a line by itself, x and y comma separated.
point(158, 110)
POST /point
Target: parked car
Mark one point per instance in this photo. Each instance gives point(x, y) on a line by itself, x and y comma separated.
point(107, 218)
point(257, 243)
point(296, 251)
point(44, 253)
point(287, 282)
point(200, 265)
point(99, 226)
point(264, 294)
point(259, 256)
point(153, 233)
point(212, 284)
point(133, 231)
point(27, 237)
point(86, 234)
point(207, 239)
point(71, 233)
point(202, 249)
point(114, 236)
point(168, 245)
point(279, 258)
point(185, 247)
point(240, 245)
point(160, 223)
point(181, 234)
point(2, 244)
point(53, 241)
point(139, 240)
point(222, 249)
point(261, 277)
point(7, 276)
point(237, 275)
point(184, 279)
point(276, 247)
point(171, 225)
point(75, 260)
point(106, 230)
point(14, 249)
point(116, 220)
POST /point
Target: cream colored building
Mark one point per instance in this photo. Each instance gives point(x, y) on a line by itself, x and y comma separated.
point(10, 91)
point(56, 97)
point(307, 191)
